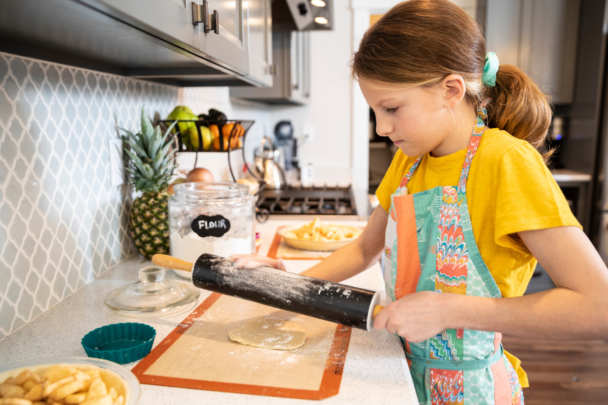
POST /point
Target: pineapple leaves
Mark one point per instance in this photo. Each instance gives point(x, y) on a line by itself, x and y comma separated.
point(146, 124)
point(147, 171)
point(168, 136)
point(139, 185)
point(155, 142)
point(136, 160)
point(158, 159)
point(165, 148)
point(138, 149)
point(150, 155)
point(168, 157)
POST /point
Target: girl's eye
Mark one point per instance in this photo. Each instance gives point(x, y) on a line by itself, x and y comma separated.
point(391, 110)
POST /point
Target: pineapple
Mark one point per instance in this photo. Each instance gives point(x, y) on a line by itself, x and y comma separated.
point(151, 168)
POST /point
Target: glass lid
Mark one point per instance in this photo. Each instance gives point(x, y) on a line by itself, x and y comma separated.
point(152, 295)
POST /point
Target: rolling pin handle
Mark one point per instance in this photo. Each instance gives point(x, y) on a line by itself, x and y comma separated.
point(171, 262)
point(377, 309)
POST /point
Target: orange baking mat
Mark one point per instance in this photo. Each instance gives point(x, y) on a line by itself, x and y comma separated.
point(281, 250)
point(198, 354)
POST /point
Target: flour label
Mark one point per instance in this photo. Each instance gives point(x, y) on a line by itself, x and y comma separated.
point(215, 225)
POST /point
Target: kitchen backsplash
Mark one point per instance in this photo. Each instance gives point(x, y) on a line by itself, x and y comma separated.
point(62, 223)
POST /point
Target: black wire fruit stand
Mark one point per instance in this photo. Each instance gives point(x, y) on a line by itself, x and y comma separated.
point(239, 131)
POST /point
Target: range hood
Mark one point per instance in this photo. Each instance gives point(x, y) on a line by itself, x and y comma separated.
point(302, 15)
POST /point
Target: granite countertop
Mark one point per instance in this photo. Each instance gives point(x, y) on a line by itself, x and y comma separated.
point(375, 371)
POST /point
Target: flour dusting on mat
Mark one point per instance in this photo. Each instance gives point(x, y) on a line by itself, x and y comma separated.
point(270, 333)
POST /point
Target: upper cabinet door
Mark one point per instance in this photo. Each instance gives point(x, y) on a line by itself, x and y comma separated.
point(539, 37)
point(300, 65)
point(550, 33)
point(260, 41)
point(230, 46)
point(170, 20)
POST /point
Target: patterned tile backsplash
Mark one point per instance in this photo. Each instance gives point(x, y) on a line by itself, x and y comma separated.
point(62, 223)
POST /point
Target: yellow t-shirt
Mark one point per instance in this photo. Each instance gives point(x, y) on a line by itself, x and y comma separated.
point(509, 190)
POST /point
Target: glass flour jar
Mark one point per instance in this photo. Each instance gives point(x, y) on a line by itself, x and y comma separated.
point(215, 218)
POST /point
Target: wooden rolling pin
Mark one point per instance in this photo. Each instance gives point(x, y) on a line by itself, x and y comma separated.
point(309, 296)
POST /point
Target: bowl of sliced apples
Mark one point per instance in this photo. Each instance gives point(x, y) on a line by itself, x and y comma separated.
point(70, 380)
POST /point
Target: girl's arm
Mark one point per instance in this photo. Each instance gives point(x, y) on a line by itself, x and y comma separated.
point(576, 309)
point(358, 255)
point(346, 262)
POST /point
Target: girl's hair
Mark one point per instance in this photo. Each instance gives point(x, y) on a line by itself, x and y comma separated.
point(420, 42)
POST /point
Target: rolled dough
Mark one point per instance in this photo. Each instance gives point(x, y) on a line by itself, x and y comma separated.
point(269, 333)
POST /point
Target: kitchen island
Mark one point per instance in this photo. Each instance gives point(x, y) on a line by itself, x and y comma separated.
point(375, 370)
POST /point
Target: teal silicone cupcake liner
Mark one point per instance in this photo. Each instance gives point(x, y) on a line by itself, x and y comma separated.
point(121, 343)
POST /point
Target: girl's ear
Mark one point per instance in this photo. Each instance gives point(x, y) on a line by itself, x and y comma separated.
point(452, 89)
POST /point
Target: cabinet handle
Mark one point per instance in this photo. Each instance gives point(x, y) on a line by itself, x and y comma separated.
point(272, 70)
point(200, 15)
point(215, 22)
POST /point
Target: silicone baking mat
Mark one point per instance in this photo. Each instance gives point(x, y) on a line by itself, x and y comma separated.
point(198, 354)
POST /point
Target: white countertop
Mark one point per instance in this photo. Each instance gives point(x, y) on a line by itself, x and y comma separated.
point(375, 371)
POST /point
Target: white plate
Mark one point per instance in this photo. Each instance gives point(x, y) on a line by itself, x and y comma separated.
point(318, 246)
point(132, 383)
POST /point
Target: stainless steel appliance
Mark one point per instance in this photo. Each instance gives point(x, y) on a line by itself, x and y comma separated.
point(294, 200)
point(302, 15)
point(557, 137)
point(267, 164)
point(283, 133)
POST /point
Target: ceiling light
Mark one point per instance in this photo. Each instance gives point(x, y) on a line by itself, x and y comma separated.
point(318, 3)
point(321, 20)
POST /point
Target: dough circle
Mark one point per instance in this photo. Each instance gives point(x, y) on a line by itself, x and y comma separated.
point(269, 333)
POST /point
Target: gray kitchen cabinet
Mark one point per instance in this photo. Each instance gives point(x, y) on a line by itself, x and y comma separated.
point(539, 37)
point(231, 45)
point(259, 25)
point(173, 19)
point(154, 40)
point(170, 19)
point(291, 80)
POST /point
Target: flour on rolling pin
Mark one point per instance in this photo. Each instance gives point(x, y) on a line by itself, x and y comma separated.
point(322, 299)
point(275, 282)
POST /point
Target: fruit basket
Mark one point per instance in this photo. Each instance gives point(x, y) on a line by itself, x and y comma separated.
point(209, 135)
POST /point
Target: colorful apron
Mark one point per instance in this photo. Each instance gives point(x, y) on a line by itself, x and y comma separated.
point(430, 246)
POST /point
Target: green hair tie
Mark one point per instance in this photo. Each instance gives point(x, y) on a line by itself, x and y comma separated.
point(488, 77)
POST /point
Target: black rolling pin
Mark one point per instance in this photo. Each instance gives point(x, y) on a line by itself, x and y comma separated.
point(309, 296)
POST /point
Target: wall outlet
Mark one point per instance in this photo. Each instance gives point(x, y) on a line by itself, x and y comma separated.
point(308, 133)
point(116, 162)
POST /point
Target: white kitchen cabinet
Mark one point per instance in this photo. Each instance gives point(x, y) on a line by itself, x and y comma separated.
point(291, 81)
point(539, 37)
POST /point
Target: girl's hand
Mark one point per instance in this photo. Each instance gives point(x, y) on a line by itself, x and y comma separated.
point(416, 316)
point(252, 261)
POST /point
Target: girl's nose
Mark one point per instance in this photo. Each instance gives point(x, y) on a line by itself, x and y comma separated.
point(383, 128)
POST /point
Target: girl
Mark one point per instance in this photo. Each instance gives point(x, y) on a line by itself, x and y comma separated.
point(467, 208)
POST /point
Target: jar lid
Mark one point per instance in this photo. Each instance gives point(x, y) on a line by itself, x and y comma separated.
point(205, 191)
point(152, 295)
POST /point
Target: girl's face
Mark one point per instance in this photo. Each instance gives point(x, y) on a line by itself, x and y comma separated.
point(413, 118)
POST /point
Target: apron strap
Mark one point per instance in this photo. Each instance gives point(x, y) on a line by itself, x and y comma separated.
point(408, 176)
point(478, 129)
point(456, 364)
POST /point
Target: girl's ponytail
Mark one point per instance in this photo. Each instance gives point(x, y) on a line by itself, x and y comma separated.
point(519, 107)
point(420, 42)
